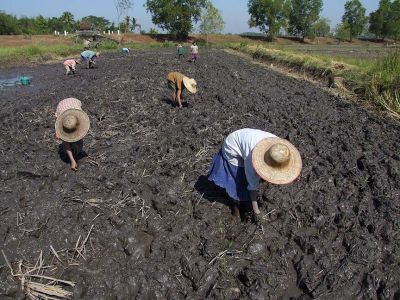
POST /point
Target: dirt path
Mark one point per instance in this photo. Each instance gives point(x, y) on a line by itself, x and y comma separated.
point(160, 230)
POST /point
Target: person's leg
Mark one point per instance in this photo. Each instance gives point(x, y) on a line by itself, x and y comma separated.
point(172, 87)
point(70, 155)
point(67, 70)
point(235, 209)
point(256, 210)
point(254, 204)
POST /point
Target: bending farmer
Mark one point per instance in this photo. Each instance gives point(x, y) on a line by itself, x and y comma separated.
point(88, 57)
point(72, 124)
point(177, 82)
point(249, 155)
point(70, 66)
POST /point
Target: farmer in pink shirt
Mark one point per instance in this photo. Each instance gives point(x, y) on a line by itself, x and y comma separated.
point(70, 66)
point(72, 124)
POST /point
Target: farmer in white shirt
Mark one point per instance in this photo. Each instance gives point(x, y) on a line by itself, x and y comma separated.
point(195, 51)
point(246, 157)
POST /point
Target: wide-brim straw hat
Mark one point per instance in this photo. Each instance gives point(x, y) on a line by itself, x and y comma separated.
point(276, 161)
point(190, 84)
point(72, 125)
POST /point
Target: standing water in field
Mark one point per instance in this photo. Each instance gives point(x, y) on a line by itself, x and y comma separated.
point(13, 81)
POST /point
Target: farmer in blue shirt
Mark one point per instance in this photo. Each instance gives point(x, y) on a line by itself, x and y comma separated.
point(126, 50)
point(88, 57)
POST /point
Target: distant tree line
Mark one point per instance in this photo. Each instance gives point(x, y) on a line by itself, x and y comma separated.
point(300, 18)
point(10, 24)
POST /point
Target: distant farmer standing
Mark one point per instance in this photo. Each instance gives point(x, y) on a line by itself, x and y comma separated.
point(249, 156)
point(195, 51)
point(177, 82)
point(72, 124)
point(88, 57)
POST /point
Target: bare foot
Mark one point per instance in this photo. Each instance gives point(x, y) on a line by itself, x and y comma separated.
point(74, 166)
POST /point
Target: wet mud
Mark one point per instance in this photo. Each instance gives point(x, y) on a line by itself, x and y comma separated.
point(139, 220)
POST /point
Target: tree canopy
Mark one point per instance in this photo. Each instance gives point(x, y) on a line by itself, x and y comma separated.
point(342, 32)
point(8, 24)
point(394, 19)
point(268, 15)
point(354, 16)
point(122, 7)
point(321, 27)
point(303, 15)
point(176, 16)
point(211, 20)
point(379, 19)
point(99, 23)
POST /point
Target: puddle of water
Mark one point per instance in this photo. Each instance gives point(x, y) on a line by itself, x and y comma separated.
point(9, 82)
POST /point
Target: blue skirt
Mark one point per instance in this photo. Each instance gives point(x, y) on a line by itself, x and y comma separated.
point(229, 177)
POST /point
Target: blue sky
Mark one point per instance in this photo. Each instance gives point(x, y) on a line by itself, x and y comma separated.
point(234, 12)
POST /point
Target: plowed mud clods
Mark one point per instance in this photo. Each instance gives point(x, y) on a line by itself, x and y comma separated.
point(160, 229)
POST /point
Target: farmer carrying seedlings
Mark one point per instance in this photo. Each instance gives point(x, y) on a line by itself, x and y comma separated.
point(70, 66)
point(88, 57)
point(248, 156)
point(177, 82)
point(72, 124)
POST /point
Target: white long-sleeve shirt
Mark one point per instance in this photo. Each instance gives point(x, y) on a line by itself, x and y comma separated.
point(237, 150)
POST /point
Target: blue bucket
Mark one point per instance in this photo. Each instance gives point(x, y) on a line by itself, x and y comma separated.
point(25, 80)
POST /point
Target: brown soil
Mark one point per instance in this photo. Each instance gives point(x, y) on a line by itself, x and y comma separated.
point(20, 40)
point(160, 230)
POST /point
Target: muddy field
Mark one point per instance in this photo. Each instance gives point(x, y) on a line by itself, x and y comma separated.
point(140, 220)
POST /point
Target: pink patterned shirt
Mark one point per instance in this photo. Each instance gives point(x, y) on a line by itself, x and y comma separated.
point(68, 103)
point(70, 63)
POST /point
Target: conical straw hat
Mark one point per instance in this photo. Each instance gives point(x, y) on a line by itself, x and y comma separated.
point(72, 125)
point(276, 160)
point(190, 84)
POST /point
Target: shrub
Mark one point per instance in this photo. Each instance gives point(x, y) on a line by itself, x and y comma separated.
point(384, 83)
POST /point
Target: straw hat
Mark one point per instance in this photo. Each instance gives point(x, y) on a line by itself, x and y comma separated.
point(72, 125)
point(276, 160)
point(190, 84)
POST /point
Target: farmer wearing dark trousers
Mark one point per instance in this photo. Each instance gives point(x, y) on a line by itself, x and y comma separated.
point(249, 156)
point(72, 124)
point(177, 82)
point(88, 57)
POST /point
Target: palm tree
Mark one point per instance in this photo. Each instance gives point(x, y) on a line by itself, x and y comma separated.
point(68, 21)
point(127, 22)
